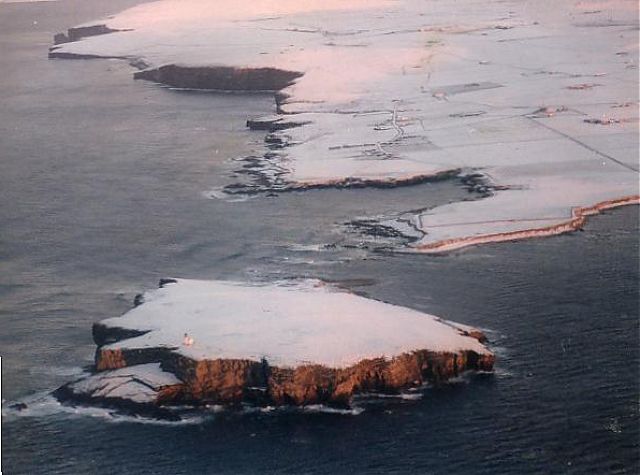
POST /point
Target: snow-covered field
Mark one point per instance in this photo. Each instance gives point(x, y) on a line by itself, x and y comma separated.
point(538, 97)
point(288, 325)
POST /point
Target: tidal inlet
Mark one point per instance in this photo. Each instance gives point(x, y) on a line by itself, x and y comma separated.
point(319, 236)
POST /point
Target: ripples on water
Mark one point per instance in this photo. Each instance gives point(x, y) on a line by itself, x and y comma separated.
point(106, 181)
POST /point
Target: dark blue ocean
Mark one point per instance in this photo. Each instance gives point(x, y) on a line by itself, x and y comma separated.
point(108, 184)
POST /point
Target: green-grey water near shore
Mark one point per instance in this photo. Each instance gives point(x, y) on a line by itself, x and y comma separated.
point(105, 188)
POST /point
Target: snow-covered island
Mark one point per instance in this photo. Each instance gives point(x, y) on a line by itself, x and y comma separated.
point(534, 103)
point(296, 343)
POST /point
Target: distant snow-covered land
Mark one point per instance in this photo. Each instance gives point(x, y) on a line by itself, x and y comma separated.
point(537, 100)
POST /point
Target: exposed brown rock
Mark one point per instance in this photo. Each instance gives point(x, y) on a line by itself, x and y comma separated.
point(216, 381)
point(114, 358)
point(477, 334)
point(228, 381)
point(304, 385)
point(109, 359)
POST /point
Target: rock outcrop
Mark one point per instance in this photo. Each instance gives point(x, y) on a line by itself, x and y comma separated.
point(139, 390)
point(79, 32)
point(272, 123)
point(221, 78)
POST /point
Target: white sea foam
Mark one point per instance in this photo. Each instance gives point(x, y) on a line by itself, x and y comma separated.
point(319, 408)
point(43, 404)
point(70, 371)
point(414, 396)
point(220, 194)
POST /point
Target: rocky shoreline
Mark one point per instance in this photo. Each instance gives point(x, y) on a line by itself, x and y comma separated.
point(577, 221)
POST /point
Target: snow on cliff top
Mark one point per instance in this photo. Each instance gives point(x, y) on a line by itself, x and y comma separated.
point(289, 325)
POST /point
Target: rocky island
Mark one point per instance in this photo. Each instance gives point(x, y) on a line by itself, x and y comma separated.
point(301, 343)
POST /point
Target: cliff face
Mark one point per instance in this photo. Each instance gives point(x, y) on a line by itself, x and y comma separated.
point(220, 78)
point(232, 381)
point(318, 384)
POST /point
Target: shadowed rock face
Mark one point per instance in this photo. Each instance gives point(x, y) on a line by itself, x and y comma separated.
point(273, 123)
point(220, 78)
point(104, 335)
point(75, 34)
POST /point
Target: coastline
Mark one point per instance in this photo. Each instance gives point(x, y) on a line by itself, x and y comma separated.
point(322, 138)
point(580, 215)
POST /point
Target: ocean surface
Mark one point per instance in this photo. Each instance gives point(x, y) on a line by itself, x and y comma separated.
point(108, 184)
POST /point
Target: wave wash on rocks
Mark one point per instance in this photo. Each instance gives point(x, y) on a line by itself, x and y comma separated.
point(298, 343)
point(537, 98)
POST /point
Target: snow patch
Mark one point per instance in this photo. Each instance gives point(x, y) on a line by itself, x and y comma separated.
point(139, 384)
point(301, 323)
